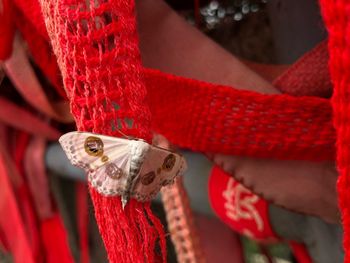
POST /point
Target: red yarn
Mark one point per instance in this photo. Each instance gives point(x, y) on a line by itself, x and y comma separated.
point(129, 237)
point(336, 16)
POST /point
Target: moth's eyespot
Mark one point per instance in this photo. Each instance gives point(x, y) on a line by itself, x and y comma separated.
point(104, 158)
point(169, 162)
point(148, 178)
point(113, 171)
point(93, 146)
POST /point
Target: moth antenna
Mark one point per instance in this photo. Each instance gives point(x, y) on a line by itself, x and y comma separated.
point(125, 136)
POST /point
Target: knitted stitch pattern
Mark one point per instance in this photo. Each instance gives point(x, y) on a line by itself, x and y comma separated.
point(213, 118)
point(97, 51)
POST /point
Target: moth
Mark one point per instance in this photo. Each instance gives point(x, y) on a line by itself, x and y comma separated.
point(131, 168)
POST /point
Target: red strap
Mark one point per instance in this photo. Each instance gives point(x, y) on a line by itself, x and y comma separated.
point(27, 207)
point(40, 47)
point(83, 221)
point(237, 122)
point(309, 75)
point(55, 240)
point(300, 252)
point(21, 119)
point(53, 233)
point(12, 224)
point(19, 70)
point(34, 164)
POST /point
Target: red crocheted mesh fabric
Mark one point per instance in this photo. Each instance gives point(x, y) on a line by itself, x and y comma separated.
point(97, 50)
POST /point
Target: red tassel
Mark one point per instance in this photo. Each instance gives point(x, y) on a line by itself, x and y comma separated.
point(134, 229)
point(6, 29)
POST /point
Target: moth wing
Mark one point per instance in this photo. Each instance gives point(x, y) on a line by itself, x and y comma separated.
point(109, 149)
point(159, 168)
point(111, 179)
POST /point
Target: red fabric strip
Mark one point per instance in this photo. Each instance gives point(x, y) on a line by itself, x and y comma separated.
point(300, 252)
point(55, 240)
point(53, 233)
point(309, 75)
point(41, 49)
point(14, 116)
point(213, 118)
point(26, 202)
point(12, 224)
point(83, 221)
point(34, 164)
point(23, 77)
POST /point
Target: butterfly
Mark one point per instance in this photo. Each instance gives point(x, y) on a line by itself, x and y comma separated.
point(131, 168)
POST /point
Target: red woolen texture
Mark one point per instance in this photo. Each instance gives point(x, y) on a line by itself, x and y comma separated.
point(220, 119)
point(97, 50)
point(337, 19)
